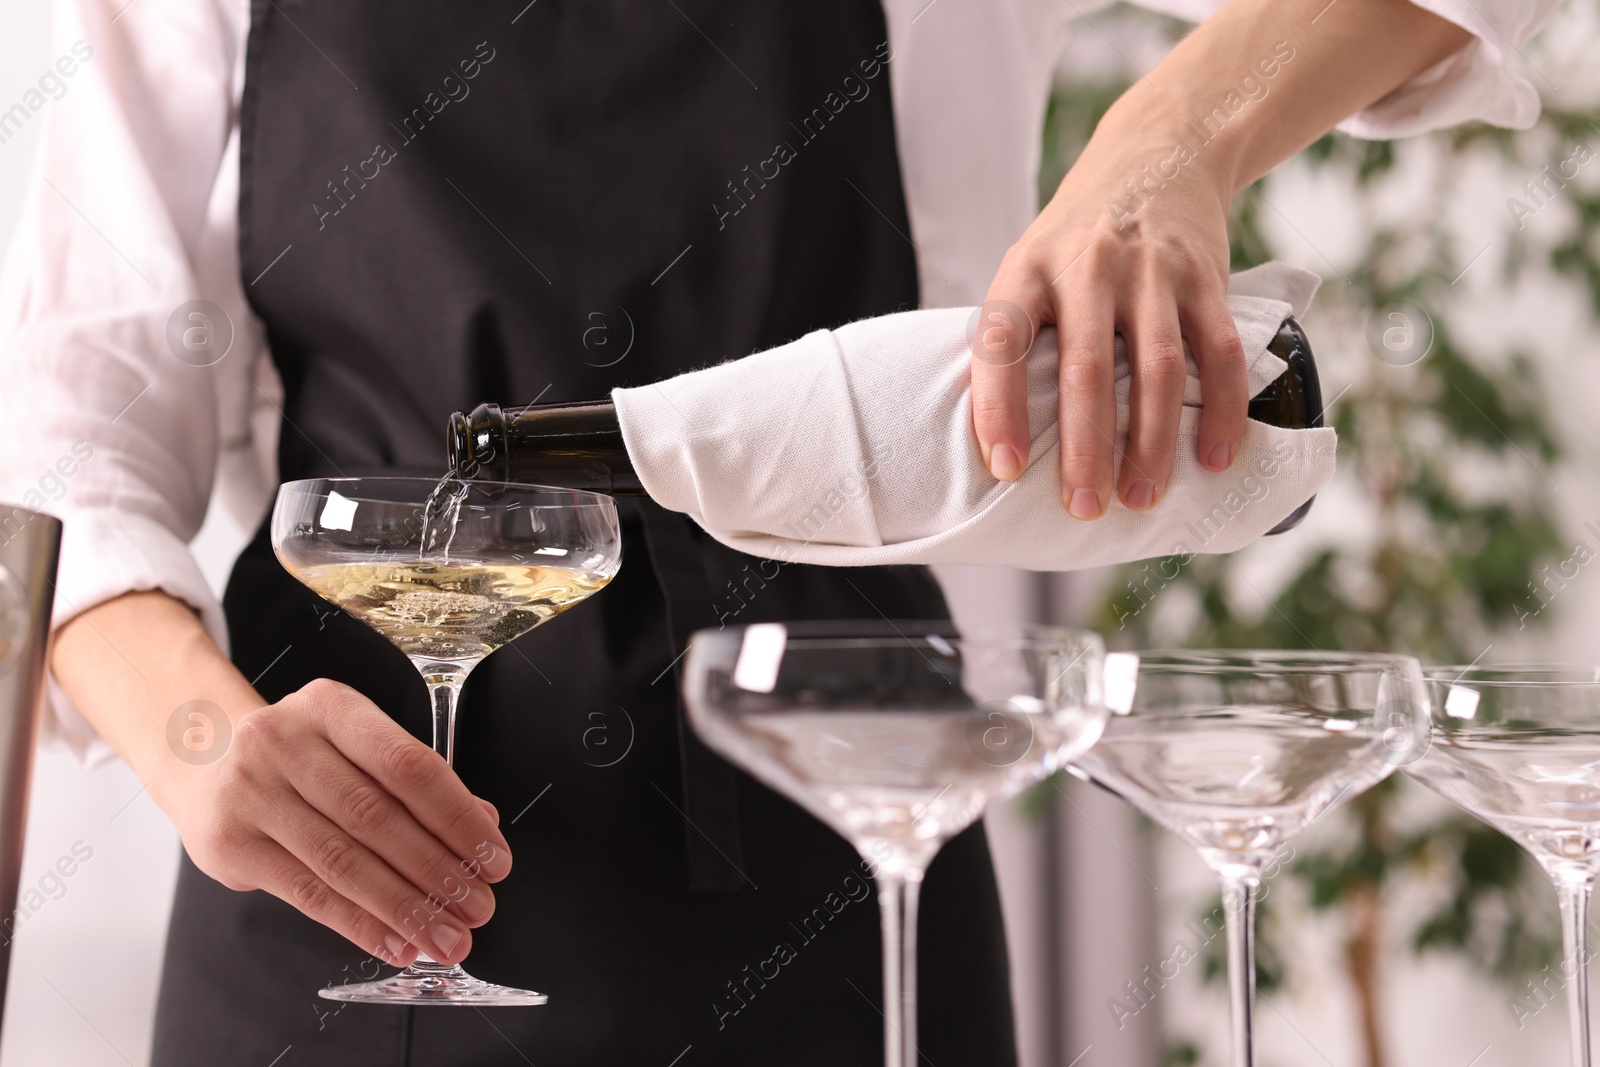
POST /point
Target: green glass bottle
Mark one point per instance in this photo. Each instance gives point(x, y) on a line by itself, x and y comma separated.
point(579, 445)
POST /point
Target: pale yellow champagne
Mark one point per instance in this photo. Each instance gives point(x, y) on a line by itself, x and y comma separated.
point(457, 612)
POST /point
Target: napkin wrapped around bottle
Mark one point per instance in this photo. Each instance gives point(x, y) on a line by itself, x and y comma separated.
point(854, 447)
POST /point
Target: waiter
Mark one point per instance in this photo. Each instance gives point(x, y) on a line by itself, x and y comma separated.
point(396, 211)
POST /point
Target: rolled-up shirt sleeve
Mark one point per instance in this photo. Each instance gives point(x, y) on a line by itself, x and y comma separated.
point(108, 420)
point(1476, 84)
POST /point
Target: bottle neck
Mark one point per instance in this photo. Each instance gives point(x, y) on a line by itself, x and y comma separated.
point(574, 446)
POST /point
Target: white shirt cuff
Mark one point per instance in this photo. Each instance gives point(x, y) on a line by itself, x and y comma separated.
point(1474, 85)
point(106, 552)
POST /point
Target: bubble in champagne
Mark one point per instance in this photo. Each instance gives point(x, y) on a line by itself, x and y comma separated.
point(421, 606)
point(456, 611)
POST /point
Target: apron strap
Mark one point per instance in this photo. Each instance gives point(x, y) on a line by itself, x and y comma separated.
point(710, 799)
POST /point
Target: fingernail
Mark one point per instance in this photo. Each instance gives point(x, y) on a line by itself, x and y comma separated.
point(396, 947)
point(478, 905)
point(1085, 504)
point(1140, 494)
point(495, 859)
point(1219, 454)
point(1003, 462)
point(445, 938)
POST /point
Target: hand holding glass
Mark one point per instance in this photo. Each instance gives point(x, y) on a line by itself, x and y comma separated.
point(512, 557)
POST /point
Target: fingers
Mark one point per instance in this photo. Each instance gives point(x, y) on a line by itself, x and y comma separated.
point(413, 774)
point(1155, 356)
point(1003, 332)
point(328, 804)
point(1088, 305)
point(1224, 375)
point(291, 881)
point(343, 867)
point(1085, 325)
point(356, 804)
point(1087, 312)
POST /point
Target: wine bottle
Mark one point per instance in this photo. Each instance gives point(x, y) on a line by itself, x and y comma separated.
point(575, 445)
point(579, 445)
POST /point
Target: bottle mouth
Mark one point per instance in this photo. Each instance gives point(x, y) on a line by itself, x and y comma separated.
point(458, 441)
point(471, 441)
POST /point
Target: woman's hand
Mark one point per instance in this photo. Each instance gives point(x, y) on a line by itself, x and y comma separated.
point(1098, 261)
point(320, 799)
point(325, 802)
point(1135, 239)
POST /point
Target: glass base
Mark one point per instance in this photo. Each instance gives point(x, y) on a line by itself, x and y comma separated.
point(433, 984)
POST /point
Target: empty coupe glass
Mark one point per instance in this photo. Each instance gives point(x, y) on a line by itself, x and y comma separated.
point(897, 735)
point(1237, 751)
point(1519, 747)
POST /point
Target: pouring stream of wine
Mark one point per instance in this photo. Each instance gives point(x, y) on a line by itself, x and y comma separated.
point(440, 515)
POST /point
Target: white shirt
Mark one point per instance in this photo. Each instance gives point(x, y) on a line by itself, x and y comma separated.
point(134, 212)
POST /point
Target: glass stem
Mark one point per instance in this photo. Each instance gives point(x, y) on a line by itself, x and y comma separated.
point(897, 901)
point(1574, 894)
point(444, 691)
point(444, 682)
point(426, 964)
point(1240, 883)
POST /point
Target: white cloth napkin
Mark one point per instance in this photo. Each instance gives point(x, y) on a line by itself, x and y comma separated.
point(854, 447)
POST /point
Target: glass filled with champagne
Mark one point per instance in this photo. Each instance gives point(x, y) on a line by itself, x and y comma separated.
point(448, 572)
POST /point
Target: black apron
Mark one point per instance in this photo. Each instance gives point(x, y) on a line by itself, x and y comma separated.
point(444, 205)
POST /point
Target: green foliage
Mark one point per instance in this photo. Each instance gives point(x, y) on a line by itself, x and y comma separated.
point(1069, 120)
point(1182, 1054)
point(1452, 454)
point(1271, 968)
point(1480, 869)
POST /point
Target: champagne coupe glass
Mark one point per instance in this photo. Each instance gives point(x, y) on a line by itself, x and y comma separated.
point(896, 735)
point(1237, 751)
point(1519, 747)
point(497, 560)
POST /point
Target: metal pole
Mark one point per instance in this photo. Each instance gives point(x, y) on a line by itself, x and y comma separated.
point(30, 545)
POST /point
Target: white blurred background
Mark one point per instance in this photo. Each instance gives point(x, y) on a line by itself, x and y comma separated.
point(84, 967)
point(1092, 897)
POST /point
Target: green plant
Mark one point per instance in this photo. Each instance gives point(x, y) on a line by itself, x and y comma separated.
point(1456, 537)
